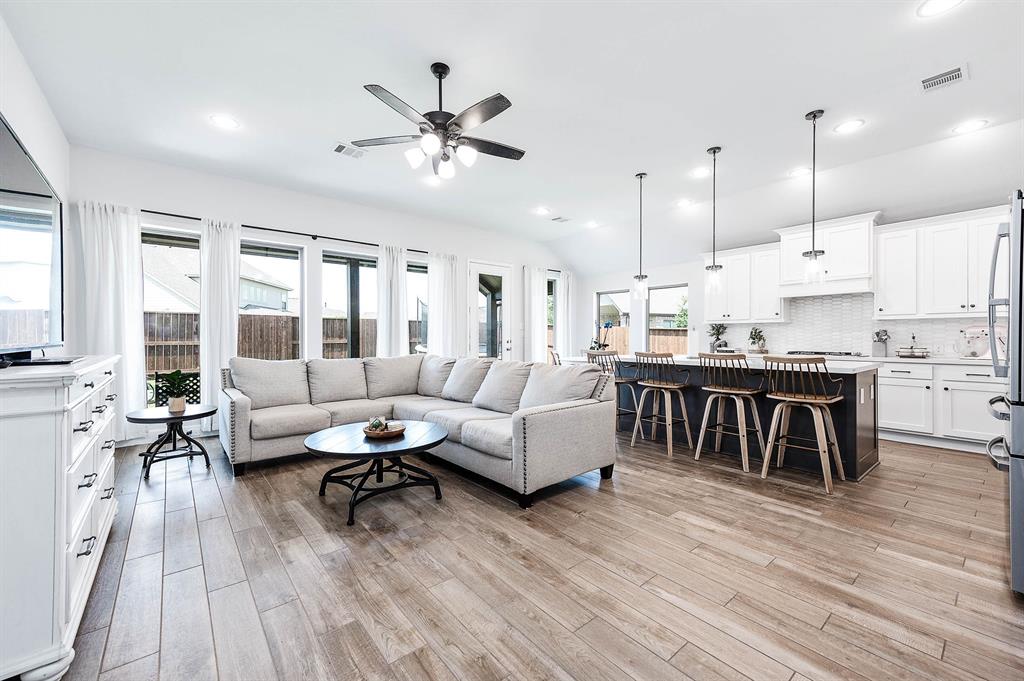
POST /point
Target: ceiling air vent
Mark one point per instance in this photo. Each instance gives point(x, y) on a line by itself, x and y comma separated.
point(349, 150)
point(559, 219)
point(944, 79)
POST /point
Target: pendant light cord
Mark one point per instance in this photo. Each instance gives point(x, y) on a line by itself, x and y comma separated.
point(814, 173)
point(714, 192)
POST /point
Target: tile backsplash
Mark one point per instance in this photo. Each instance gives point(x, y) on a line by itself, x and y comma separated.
point(844, 323)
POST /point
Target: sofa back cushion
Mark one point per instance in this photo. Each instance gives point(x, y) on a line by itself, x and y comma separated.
point(503, 386)
point(465, 378)
point(334, 380)
point(550, 384)
point(387, 376)
point(270, 382)
point(434, 371)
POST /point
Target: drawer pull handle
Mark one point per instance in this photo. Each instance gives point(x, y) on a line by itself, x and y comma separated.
point(981, 375)
point(111, 397)
point(91, 541)
point(84, 426)
point(91, 477)
point(899, 371)
point(108, 372)
point(100, 409)
point(109, 492)
point(109, 444)
point(90, 384)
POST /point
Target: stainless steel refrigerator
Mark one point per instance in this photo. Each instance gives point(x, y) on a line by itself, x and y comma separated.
point(1007, 451)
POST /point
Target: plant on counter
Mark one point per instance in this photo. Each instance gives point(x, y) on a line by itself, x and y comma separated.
point(757, 339)
point(716, 331)
point(599, 342)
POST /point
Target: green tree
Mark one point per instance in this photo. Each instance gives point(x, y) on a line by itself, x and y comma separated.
point(682, 318)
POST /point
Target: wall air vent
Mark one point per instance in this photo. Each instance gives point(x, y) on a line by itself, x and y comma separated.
point(944, 79)
point(349, 150)
point(560, 219)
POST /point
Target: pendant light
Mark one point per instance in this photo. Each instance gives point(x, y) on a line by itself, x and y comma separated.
point(812, 270)
point(714, 269)
point(640, 280)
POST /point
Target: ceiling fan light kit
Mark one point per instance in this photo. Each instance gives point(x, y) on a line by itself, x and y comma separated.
point(441, 133)
point(812, 271)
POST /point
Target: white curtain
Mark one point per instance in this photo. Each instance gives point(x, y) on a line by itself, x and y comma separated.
point(108, 245)
point(392, 314)
point(220, 246)
point(443, 304)
point(535, 313)
point(564, 317)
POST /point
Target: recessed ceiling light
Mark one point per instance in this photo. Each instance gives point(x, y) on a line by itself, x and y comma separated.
point(541, 210)
point(591, 224)
point(701, 172)
point(800, 172)
point(846, 127)
point(432, 181)
point(970, 126)
point(225, 122)
point(931, 8)
point(684, 203)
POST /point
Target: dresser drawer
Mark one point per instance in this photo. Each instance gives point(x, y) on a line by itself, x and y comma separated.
point(906, 371)
point(81, 482)
point(88, 383)
point(79, 557)
point(978, 374)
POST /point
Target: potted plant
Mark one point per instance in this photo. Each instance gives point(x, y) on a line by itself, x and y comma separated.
point(716, 331)
point(599, 342)
point(757, 340)
point(176, 387)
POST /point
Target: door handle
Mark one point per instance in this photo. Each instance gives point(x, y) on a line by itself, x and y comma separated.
point(1001, 369)
point(998, 413)
point(1000, 461)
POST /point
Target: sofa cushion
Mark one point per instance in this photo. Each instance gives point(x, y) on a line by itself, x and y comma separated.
point(503, 386)
point(492, 436)
point(354, 411)
point(270, 383)
point(332, 380)
point(465, 379)
point(288, 419)
point(434, 371)
point(550, 384)
point(392, 375)
point(454, 419)
point(415, 410)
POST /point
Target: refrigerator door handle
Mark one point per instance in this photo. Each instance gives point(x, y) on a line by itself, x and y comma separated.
point(1001, 369)
point(1000, 461)
point(999, 413)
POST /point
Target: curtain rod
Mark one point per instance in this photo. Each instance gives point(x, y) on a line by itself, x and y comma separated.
point(314, 237)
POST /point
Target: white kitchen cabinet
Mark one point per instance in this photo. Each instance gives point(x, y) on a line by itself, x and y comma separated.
point(847, 251)
point(906, 404)
point(848, 262)
point(765, 303)
point(737, 275)
point(715, 297)
point(747, 289)
point(945, 282)
point(963, 410)
point(896, 274)
point(792, 263)
point(981, 238)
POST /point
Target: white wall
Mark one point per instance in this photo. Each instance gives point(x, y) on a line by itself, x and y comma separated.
point(102, 176)
point(25, 108)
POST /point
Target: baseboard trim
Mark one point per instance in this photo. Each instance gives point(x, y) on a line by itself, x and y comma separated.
point(933, 441)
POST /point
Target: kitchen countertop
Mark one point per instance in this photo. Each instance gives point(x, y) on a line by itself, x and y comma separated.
point(947, 359)
point(835, 366)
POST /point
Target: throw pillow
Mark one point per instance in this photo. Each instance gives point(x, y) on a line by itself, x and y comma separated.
point(334, 380)
point(270, 383)
point(387, 376)
point(503, 386)
point(434, 371)
point(465, 379)
point(550, 384)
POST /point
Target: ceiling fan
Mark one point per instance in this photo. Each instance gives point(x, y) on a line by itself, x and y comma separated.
point(441, 133)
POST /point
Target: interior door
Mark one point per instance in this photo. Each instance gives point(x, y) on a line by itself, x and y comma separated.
point(490, 310)
point(896, 290)
point(945, 269)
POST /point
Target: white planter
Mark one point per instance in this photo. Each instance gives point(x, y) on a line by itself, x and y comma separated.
point(176, 405)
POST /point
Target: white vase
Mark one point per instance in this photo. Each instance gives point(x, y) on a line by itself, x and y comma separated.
point(176, 405)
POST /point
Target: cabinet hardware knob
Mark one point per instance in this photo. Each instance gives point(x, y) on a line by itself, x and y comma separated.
point(109, 444)
point(91, 477)
point(946, 389)
point(91, 541)
point(962, 306)
point(879, 309)
point(111, 397)
point(108, 372)
point(92, 384)
point(927, 387)
point(100, 409)
point(108, 493)
point(84, 426)
point(972, 304)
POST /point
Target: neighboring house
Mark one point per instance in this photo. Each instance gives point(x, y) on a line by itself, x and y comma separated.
point(611, 312)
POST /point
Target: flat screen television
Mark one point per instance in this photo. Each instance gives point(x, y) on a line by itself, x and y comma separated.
point(31, 248)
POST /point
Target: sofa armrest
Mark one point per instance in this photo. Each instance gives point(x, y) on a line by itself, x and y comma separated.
point(233, 414)
point(556, 442)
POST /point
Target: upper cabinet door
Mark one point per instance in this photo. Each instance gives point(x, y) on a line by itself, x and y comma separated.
point(765, 303)
point(737, 274)
point(792, 263)
point(982, 237)
point(946, 268)
point(896, 274)
point(847, 251)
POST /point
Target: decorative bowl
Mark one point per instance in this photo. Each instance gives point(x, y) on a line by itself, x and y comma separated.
point(394, 429)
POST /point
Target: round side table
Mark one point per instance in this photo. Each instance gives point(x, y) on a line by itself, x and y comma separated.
point(173, 420)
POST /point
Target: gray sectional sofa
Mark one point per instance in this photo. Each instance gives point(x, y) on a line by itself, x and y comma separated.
point(525, 426)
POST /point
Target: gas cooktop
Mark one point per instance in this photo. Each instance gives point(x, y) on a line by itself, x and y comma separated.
point(817, 352)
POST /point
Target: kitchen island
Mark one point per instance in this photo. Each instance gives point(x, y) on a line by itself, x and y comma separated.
point(856, 416)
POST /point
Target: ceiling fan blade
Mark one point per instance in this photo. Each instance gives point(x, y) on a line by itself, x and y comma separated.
point(379, 141)
point(481, 112)
point(435, 160)
point(492, 148)
point(397, 104)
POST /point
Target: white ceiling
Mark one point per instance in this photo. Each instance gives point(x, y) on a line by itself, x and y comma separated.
point(599, 91)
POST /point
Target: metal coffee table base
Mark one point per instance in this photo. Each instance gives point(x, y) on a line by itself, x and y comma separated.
point(408, 476)
point(155, 452)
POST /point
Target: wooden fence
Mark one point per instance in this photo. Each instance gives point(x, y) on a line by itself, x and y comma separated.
point(675, 341)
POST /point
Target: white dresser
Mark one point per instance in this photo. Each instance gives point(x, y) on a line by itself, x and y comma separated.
point(56, 507)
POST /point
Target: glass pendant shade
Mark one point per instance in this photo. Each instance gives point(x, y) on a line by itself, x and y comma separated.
point(812, 269)
point(640, 287)
point(466, 154)
point(446, 169)
point(415, 157)
point(430, 144)
point(714, 277)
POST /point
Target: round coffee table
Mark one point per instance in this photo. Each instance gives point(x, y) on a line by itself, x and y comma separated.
point(350, 443)
point(175, 429)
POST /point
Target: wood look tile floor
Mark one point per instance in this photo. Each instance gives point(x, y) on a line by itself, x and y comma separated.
point(674, 569)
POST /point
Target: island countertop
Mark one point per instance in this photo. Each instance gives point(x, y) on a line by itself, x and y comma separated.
point(838, 366)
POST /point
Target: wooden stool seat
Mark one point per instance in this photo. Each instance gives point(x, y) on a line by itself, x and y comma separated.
point(732, 391)
point(804, 398)
point(657, 376)
point(663, 385)
point(727, 376)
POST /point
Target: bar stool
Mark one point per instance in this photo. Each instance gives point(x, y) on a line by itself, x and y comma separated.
point(803, 382)
point(657, 376)
point(727, 376)
point(610, 364)
point(554, 356)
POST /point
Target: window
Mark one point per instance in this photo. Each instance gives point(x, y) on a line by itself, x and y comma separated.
point(170, 304)
point(668, 317)
point(612, 328)
point(349, 316)
point(416, 300)
point(552, 303)
point(269, 302)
